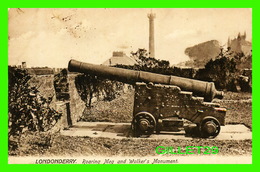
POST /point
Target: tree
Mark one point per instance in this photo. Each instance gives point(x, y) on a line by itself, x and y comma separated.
point(146, 63)
point(222, 71)
point(28, 110)
point(90, 86)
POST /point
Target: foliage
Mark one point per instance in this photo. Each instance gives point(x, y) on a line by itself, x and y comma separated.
point(90, 86)
point(223, 71)
point(28, 110)
point(145, 62)
point(149, 64)
point(61, 85)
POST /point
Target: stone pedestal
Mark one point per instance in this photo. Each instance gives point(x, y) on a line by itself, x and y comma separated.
point(64, 107)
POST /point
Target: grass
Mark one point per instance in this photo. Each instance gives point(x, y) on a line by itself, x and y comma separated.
point(239, 107)
point(117, 110)
point(83, 146)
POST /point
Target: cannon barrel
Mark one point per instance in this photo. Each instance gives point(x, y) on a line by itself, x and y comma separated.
point(199, 88)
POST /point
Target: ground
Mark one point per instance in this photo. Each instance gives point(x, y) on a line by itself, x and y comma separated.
point(239, 107)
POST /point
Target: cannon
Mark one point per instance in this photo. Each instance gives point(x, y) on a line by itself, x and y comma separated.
point(162, 103)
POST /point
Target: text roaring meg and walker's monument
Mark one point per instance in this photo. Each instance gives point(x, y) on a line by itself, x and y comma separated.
point(151, 17)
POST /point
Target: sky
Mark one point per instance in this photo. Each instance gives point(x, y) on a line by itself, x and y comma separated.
point(51, 37)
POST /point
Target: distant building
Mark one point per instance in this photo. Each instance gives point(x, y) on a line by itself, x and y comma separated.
point(40, 71)
point(240, 45)
point(23, 65)
point(119, 57)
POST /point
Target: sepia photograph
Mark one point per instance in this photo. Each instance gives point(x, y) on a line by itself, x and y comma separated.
point(130, 86)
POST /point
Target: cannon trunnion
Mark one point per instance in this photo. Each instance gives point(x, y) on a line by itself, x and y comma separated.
point(164, 103)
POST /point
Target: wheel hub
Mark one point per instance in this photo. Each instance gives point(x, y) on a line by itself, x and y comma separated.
point(144, 124)
point(210, 127)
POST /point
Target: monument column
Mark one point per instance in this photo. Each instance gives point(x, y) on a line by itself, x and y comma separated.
point(151, 17)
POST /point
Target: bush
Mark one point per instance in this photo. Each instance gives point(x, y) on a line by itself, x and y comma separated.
point(221, 71)
point(90, 86)
point(224, 71)
point(28, 110)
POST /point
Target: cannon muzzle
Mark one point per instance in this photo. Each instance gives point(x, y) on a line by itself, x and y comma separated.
point(199, 88)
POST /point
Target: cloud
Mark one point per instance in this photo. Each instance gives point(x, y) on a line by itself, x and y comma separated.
point(24, 36)
point(91, 35)
point(62, 31)
point(123, 46)
point(182, 33)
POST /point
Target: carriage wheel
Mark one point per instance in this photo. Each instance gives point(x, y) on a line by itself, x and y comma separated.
point(209, 127)
point(143, 124)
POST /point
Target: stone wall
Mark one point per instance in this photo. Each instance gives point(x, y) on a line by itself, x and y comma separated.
point(44, 83)
point(77, 106)
point(74, 107)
